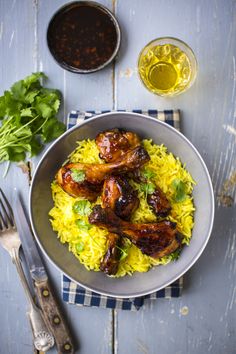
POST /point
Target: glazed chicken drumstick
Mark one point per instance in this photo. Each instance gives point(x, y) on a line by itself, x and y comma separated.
point(153, 239)
point(113, 144)
point(118, 195)
point(159, 203)
point(110, 262)
point(77, 189)
point(94, 174)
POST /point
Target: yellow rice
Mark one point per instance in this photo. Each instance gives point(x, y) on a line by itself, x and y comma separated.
point(63, 219)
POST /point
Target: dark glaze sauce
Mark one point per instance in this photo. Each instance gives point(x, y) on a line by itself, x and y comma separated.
point(82, 37)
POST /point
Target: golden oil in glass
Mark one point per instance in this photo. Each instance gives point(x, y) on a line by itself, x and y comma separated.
point(165, 69)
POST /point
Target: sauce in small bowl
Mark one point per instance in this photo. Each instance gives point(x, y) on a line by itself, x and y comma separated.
point(83, 36)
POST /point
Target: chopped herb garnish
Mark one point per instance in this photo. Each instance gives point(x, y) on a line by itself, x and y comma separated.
point(124, 254)
point(83, 225)
point(148, 174)
point(77, 175)
point(82, 207)
point(147, 188)
point(124, 251)
point(180, 192)
point(80, 247)
point(175, 255)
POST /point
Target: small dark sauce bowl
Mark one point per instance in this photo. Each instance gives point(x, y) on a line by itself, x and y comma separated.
point(83, 37)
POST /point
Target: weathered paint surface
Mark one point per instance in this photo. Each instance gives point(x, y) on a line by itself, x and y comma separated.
point(203, 320)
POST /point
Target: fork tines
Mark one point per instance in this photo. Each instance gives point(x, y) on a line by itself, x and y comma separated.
point(6, 213)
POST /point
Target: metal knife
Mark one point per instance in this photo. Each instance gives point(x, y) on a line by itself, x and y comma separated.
point(48, 304)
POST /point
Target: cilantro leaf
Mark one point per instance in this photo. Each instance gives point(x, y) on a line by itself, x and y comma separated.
point(36, 146)
point(83, 225)
point(124, 251)
point(148, 174)
point(9, 106)
point(18, 91)
point(30, 96)
point(26, 112)
point(44, 110)
point(82, 207)
point(28, 118)
point(180, 190)
point(52, 129)
point(56, 104)
point(2, 107)
point(147, 188)
point(77, 175)
point(176, 254)
point(80, 246)
point(16, 154)
point(33, 81)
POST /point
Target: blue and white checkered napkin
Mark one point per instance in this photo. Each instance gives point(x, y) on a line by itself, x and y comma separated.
point(72, 293)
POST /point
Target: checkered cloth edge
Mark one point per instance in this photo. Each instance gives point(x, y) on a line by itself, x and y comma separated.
point(72, 293)
point(171, 117)
point(75, 294)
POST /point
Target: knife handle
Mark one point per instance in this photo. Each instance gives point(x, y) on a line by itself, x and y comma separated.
point(54, 318)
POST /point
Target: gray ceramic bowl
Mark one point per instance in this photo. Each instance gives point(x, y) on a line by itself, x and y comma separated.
point(41, 202)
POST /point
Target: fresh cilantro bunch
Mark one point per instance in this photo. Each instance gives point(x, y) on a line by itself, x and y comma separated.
point(28, 114)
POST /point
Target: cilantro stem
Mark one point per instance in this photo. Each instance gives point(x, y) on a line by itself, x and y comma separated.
point(14, 144)
point(25, 125)
point(10, 144)
point(3, 127)
point(3, 156)
point(36, 131)
point(18, 130)
point(18, 139)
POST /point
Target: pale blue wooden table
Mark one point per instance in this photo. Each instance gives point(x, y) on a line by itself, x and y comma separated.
point(203, 319)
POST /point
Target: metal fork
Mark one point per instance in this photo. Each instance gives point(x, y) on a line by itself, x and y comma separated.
point(10, 240)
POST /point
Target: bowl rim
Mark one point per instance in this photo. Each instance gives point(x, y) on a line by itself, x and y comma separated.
point(194, 258)
point(105, 10)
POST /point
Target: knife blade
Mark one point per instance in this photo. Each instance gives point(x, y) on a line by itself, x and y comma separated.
point(47, 301)
point(34, 262)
